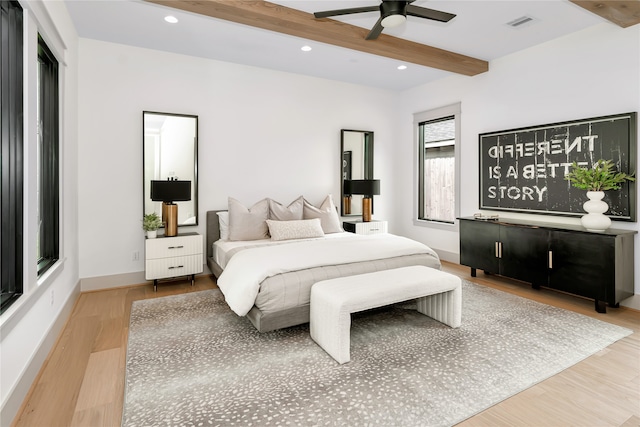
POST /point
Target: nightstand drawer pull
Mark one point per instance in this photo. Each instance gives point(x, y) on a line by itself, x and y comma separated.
point(176, 247)
point(180, 266)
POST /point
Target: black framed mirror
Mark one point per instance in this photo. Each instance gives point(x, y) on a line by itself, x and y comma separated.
point(170, 152)
point(356, 150)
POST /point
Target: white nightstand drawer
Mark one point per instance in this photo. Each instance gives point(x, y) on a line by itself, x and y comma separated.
point(165, 247)
point(371, 227)
point(172, 267)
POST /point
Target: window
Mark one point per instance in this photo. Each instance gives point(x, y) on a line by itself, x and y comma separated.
point(437, 133)
point(11, 131)
point(48, 160)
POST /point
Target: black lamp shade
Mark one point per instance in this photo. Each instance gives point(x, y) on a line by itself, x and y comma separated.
point(367, 187)
point(170, 191)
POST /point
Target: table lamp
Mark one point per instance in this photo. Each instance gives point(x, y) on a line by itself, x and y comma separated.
point(168, 192)
point(365, 187)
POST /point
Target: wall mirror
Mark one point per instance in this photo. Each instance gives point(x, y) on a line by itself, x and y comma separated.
point(170, 151)
point(356, 163)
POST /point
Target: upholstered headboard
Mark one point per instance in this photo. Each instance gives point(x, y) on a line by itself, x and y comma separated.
point(213, 230)
point(213, 234)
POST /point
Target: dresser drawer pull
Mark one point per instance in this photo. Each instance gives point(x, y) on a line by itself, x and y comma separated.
point(176, 247)
point(498, 249)
point(180, 266)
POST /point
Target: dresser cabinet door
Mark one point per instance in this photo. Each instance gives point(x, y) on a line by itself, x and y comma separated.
point(583, 264)
point(524, 253)
point(478, 248)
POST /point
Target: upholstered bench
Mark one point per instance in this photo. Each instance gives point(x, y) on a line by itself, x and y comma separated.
point(438, 294)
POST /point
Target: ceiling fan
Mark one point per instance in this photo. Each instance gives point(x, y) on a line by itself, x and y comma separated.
point(392, 14)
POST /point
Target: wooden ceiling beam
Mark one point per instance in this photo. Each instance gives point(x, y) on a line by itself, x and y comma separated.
point(623, 13)
point(281, 19)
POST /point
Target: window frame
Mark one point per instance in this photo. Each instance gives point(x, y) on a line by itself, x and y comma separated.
point(453, 110)
point(12, 130)
point(49, 158)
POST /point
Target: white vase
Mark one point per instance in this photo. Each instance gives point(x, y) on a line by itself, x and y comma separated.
point(595, 220)
point(151, 234)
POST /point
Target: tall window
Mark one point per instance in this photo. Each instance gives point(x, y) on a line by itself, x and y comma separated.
point(437, 131)
point(48, 159)
point(11, 133)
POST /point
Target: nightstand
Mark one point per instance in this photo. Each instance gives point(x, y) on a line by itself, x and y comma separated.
point(168, 257)
point(371, 227)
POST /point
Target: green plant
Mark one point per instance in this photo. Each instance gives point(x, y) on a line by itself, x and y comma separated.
point(600, 177)
point(151, 222)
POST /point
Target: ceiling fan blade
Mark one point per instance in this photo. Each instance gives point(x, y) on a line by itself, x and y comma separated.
point(339, 12)
point(423, 12)
point(376, 30)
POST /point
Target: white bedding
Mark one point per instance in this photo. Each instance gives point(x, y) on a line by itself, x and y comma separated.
point(241, 278)
point(224, 249)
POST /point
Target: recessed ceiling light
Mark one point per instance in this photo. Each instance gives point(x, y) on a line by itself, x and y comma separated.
point(171, 19)
point(305, 48)
point(402, 67)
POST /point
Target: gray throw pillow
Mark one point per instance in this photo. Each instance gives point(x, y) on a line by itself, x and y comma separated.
point(248, 224)
point(292, 212)
point(327, 213)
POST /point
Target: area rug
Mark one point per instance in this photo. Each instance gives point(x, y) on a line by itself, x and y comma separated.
point(192, 362)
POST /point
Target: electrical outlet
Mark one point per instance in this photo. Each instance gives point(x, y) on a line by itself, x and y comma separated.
point(51, 296)
point(135, 256)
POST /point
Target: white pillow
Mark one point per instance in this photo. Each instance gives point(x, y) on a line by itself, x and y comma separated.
point(223, 222)
point(295, 229)
point(327, 213)
point(248, 224)
point(289, 213)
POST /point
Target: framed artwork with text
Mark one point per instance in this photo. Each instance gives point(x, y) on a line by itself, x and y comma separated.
point(524, 169)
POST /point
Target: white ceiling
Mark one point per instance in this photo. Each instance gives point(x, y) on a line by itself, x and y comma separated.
point(479, 30)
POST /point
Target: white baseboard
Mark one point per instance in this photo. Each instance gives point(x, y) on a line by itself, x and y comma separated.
point(19, 391)
point(632, 302)
point(448, 256)
point(119, 280)
point(112, 281)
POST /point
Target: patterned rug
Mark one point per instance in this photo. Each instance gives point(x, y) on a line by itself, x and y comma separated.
point(192, 362)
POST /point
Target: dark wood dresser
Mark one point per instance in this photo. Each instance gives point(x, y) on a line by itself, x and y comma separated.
point(558, 256)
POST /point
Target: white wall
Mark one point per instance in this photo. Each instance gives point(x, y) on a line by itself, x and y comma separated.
point(591, 73)
point(262, 134)
point(29, 328)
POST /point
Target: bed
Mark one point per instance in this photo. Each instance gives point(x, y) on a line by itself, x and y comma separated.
point(278, 297)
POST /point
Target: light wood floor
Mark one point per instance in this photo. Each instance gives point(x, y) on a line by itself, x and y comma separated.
point(82, 381)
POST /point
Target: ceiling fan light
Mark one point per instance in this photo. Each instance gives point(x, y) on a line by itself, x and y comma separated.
point(393, 21)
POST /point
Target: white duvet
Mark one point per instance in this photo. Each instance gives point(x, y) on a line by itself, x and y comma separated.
point(241, 278)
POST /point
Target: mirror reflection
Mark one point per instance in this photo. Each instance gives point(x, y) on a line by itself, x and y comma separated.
point(170, 152)
point(357, 163)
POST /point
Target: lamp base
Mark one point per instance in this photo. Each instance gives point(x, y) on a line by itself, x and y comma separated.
point(346, 205)
point(170, 219)
point(366, 209)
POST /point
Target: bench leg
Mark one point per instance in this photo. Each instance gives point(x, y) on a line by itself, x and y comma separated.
point(330, 328)
point(445, 307)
